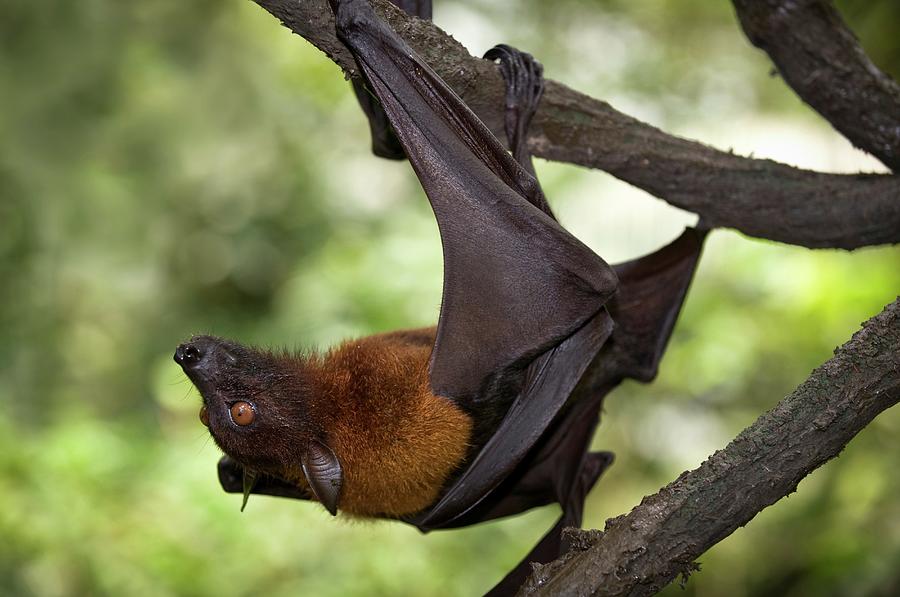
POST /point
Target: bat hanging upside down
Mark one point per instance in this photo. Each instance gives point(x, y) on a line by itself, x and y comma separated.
point(478, 418)
point(357, 427)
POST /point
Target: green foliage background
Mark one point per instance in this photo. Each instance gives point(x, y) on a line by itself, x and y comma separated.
point(169, 168)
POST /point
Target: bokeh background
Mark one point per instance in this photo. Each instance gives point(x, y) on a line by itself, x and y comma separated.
point(170, 167)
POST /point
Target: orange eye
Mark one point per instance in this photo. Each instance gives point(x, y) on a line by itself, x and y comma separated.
point(242, 413)
point(204, 416)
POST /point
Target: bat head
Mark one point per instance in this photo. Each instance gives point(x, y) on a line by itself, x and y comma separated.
point(255, 403)
point(259, 408)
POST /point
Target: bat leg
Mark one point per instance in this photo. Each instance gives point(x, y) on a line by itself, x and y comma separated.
point(384, 140)
point(524, 78)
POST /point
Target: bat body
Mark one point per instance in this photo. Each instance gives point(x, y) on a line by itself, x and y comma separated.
point(480, 417)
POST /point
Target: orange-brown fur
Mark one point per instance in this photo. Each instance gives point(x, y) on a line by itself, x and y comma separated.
point(396, 441)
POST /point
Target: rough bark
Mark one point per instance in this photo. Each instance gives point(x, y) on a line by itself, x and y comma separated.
point(760, 198)
point(822, 61)
point(641, 552)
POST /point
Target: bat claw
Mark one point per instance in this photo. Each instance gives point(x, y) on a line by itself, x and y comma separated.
point(524, 78)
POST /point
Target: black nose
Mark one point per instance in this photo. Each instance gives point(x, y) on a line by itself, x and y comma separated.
point(188, 354)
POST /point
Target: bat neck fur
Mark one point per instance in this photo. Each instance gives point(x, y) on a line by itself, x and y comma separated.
point(397, 442)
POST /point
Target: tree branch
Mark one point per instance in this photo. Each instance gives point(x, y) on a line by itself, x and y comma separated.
point(641, 552)
point(822, 61)
point(761, 198)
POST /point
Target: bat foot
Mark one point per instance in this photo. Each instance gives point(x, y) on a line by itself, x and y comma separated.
point(524, 78)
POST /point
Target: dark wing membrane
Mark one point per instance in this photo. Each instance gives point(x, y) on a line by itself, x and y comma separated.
point(552, 377)
point(651, 291)
point(384, 141)
point(516, 284)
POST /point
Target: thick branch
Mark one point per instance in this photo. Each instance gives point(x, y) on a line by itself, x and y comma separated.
point(761, 198)
point(821, 59)
point(641, 552)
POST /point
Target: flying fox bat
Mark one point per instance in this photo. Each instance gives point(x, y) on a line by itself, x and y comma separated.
point(478, 418)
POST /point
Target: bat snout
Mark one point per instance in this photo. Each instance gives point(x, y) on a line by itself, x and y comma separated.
point(204, 352)
point(188, 354)
point(205, 360)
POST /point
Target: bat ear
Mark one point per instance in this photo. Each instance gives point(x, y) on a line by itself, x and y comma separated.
point(323, 473)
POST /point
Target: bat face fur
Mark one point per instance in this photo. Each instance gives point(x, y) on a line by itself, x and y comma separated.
point(253, 401)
